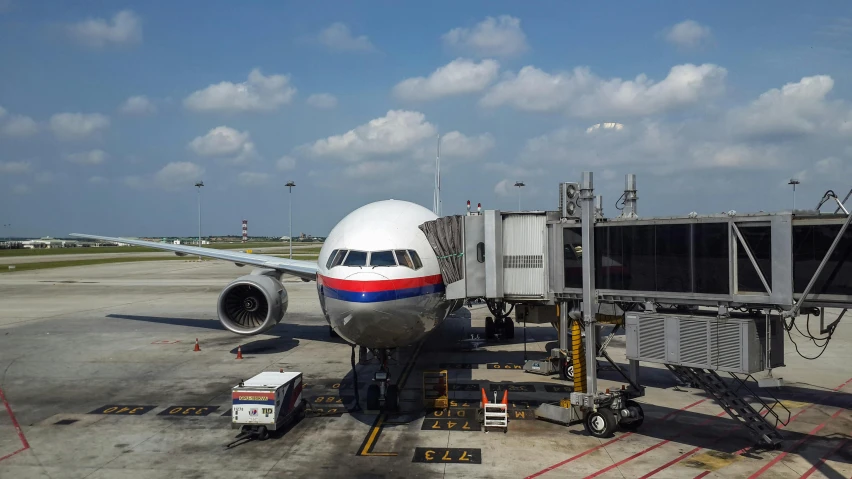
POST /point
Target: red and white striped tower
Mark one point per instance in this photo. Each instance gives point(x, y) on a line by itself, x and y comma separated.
point(245, 231)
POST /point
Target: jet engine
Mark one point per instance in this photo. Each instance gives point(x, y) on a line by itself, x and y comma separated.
point(252, 304)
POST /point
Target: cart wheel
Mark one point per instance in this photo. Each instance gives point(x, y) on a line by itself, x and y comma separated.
point(568, 370)
point(633, 425)
point(601, 423)
point(505, 430)
point(392, 398)
point(263, 433)
point(373, 397)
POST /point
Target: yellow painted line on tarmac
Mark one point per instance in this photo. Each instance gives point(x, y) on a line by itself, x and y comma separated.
point(372, 436)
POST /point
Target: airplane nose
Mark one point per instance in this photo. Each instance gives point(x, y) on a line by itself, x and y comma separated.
point(366, 276)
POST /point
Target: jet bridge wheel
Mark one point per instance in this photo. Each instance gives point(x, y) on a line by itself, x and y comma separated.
point(601, 423)
point(634, 424)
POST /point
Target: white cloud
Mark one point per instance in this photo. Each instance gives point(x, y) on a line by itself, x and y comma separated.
point(44, 177)
point(505, 188)
point(248, 178)
point(178, 174)
point(322, 100)
point(583, 94)
point(688, 33)
point(20, 189)
point(501, 36)
point(258, 93)
point(98, 180)
point(604, 126)
point(14, 167)
point(20, 126)
point(224, 141)
point(137, 105)
point(69, 126)
point(455, 143)
point(460, 76)
point(337, 36)
point(93, 157)
point(794, 109)
point(124, 29)
point(286, 163)
point(396, 132)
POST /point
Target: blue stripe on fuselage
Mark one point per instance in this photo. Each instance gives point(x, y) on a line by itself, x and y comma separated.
point(379, 296)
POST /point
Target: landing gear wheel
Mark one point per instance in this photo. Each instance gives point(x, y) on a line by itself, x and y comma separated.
point(633, 425)
point(509, 328)
point(489, 327)
point(601, 423)
point(373, 397)
point(567, 371)
point(392, 398)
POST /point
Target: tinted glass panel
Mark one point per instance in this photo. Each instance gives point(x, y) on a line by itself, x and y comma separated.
point(673, 271)
point(609, 258)
point(382, 258)
point(573, 244)
point(759, 241)
point(710, 264)
point(356, 258)
point(403, 259)
point(331, 259)
point(810, 243)
point(339, 258)
point(639, 266)
point(415, 258)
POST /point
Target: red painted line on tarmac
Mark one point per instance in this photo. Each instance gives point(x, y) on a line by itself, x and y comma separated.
point(798, 443)
point(649, 449)
point(16, 426)
point(702, 474)
point(573, 458)
point(823, 459)
point(671, 463)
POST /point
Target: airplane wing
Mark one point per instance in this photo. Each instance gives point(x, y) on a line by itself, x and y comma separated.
point(306, 270)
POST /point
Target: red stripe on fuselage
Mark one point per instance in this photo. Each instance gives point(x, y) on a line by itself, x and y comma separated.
point(375, 286)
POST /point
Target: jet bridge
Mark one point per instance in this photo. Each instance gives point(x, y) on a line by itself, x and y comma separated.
point(697, 293)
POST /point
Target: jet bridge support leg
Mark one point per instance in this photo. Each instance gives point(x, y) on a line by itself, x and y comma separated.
point(602, 412)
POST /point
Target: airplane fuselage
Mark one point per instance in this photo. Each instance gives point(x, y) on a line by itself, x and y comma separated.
point(378, 280)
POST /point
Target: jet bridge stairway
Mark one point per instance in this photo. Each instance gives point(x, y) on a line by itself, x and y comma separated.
point(761, 424)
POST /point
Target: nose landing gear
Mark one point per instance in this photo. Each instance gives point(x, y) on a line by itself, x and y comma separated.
point(383, 396)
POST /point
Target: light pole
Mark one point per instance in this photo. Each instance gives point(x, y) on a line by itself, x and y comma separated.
point(794, 182)
point(199, 185)
point(519, 184)
point(290, 186)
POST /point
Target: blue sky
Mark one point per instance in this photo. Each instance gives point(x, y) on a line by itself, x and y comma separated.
point(110, 111)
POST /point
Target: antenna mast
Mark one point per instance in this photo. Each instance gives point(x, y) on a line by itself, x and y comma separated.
point(436, 204)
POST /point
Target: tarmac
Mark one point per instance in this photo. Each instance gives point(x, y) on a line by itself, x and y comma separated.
point(99, 379)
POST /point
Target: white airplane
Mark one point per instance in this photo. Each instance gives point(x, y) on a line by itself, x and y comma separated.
point(378, 280)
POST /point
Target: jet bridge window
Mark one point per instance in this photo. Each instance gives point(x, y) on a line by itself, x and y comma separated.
point(382, 258)
point(356, 258)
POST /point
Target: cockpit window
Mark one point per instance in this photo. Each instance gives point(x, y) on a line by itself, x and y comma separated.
point(338, 259)
point(382, 258)
point(331, 259)
point(356, 258)
point(403, 258)
point(414, 257)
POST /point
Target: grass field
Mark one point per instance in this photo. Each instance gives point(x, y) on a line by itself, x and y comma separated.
point(140, 249)
point(4, 268)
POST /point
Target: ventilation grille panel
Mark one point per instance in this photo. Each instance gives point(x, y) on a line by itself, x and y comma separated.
point(693, 342)
point(652, 338)
point(727, 345)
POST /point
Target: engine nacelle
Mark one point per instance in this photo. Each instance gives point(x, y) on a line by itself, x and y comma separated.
point(252, 304)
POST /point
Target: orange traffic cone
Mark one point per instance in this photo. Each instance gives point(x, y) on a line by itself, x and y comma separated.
point(484, 397)
point(196, 345)
point(505, 397)
point(239, 352)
